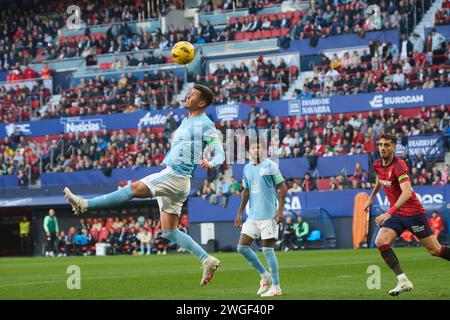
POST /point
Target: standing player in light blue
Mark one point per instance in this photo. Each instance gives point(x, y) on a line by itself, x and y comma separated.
point(262, 178)
point(171, 186)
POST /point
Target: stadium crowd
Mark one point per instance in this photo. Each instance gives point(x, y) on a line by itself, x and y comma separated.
point(124, 235)
point(328, 18)
point(310, 137)
point(259, 80)
point(99, 95)
point(415, 64)
point(442, 16)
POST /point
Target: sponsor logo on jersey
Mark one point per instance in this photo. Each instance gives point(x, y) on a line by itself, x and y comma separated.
point(386, 183)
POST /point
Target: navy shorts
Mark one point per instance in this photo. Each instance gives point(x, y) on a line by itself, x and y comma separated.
point(418, 225)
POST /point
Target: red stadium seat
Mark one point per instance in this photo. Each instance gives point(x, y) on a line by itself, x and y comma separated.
point(267, 34)
point(232, 20)
point(284, 31)
point(241, 19)
point(273, 17)
point(248, 35)
point(99, 35)
point(323, 184)
point(239, 36)
point(289, 14)
point(276, 33)
point(294, 71)
point(35, 103)
point(294, 21)
point(280, 15)
point(297, 14)
point(257, 35)
point(105, 65)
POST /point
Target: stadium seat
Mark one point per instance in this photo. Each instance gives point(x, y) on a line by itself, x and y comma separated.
point(289, 15)
point(267, 34)
point(273, 17)
point(297, 14)
point(276, 33)
point(294, 21)
point(257, 35)
point(248, 35)
point(314, 236)
point(285, 31)
point(294, 71)
point(280, 15)
point(239, 36)
point(105, 65)
point(323, 184)
point(241, 19)
point(232, 20)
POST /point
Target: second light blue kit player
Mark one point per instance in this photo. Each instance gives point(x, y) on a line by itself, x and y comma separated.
point(171, 186)
point(262, 178)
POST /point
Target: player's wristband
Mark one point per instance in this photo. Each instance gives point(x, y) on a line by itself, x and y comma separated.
point(392, 210)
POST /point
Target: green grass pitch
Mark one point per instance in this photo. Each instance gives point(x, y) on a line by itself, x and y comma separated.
point(332, 274)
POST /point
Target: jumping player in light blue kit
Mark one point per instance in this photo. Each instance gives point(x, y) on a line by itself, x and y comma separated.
point(262, 178)
point(171, 186)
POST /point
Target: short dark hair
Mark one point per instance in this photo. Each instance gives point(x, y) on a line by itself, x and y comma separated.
point(389, 137)
point(205, 93)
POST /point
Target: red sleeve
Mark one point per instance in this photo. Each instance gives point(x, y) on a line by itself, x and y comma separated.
point(401, 171)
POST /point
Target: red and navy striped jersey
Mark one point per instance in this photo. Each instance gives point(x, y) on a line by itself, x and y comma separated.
point(390, 178)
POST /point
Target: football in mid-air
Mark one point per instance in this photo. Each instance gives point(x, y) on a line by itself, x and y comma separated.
point(183, 52)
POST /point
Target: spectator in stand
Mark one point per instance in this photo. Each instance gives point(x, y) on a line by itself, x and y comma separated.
point(145, 238)
point(46, 72)
point(436, 223)
point(438, 46)
point(308, 183)
point(295, 188)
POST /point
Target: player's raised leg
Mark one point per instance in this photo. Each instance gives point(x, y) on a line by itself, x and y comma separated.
point(79, 205)
point(383, 242)
point(169, 223)
point(435, 248)
point(243, 248)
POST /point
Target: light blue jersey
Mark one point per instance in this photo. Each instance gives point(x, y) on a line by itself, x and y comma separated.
point(261, 180)
point(188, 143)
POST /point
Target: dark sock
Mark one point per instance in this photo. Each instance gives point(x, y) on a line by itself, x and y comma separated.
point(390, 258)
point(445, 253)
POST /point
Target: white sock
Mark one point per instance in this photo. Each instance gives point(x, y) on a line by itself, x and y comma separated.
point(265, 275)
point(402, 277)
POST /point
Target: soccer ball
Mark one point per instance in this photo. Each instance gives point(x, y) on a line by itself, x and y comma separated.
point(183, 52)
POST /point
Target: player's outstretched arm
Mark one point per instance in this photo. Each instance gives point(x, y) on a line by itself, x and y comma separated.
point(219, 154)
point(282, 189)
point(244, 199)
point(373, 194)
